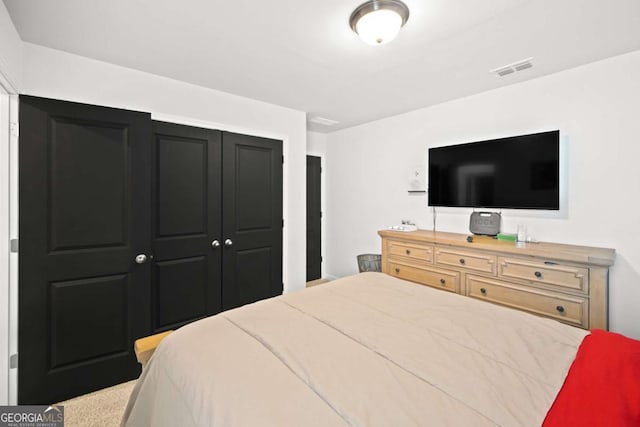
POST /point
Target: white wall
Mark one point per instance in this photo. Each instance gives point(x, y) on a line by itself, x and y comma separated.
point(316, 143)
point(10, 50)
point(55, 74)
point(596, 107)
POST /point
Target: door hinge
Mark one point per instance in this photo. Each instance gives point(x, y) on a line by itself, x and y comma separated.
point(13, 361)
point(321, 259)
point(320, 214)
point(14, 243)
point(283, 223)
point(283, 160)
point(14, 129)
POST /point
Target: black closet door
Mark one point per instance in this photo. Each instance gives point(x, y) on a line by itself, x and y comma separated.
point(314, 219)
point(252, 219)
point(84, 217)
point(186, 225)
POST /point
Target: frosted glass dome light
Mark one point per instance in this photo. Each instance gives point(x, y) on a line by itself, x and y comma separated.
point(379, 21)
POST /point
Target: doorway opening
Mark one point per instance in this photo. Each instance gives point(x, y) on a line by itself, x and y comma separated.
point(314, 218)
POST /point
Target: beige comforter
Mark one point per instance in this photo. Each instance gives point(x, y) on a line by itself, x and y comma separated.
point(367, 350)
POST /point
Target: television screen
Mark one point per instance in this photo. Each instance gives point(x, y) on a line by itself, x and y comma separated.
point(520, 172)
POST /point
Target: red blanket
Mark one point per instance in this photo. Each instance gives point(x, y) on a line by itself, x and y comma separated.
point(602, 387)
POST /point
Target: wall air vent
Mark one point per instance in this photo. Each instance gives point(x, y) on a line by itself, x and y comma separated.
point(322, 121)
point(513, 67)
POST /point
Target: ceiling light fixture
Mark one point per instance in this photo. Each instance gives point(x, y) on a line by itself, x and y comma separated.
point(379, 21)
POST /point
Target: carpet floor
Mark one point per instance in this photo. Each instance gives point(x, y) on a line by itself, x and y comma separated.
point(102, 408)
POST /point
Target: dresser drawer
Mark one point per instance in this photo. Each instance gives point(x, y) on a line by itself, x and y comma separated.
point(569, 309)
point(411, 251)
point(559, 275)
point(447, 280)
point(466, 259)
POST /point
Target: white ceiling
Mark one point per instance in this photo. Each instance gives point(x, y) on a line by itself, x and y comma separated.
point(302, 54)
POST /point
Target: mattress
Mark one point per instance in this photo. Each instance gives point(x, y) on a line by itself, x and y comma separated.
point(366, 350)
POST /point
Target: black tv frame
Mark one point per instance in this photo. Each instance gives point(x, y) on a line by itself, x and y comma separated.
point(549, 137)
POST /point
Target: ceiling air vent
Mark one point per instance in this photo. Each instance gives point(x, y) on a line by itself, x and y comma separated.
point(322, 121)
point(504, 71)
point(512, 68)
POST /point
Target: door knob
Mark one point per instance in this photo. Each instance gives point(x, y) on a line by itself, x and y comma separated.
point(141, 259)
point(215, 244)
point(228, 243)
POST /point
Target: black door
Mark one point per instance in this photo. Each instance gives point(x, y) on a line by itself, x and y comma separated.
point(314, 215)
point(84, 216)
point(252, 219)
point(186, 224)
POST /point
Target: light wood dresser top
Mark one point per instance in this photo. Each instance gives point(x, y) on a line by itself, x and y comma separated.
point(558, 251)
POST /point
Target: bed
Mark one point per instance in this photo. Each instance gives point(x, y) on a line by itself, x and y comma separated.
point(367, 350)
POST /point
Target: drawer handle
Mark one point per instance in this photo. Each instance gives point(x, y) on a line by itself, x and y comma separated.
point(408, 252)
point(483, 291)
point(442, 282)
point(397, 270)
point(461, 260)
point(560, 308)
point(538, 274)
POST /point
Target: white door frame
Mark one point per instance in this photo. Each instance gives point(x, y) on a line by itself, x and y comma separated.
point(8, 231)
point(13, 257)
point(4, 246)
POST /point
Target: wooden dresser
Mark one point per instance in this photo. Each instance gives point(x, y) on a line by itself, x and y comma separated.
point(563, 282)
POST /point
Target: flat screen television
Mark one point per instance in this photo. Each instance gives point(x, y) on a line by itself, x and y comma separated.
point(520, 172)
